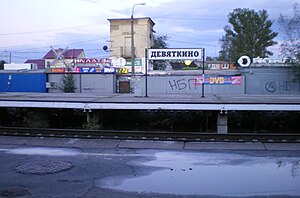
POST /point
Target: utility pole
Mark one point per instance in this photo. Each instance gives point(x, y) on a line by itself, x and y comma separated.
point(7, 56)
point(203, 69)
point(132, 37)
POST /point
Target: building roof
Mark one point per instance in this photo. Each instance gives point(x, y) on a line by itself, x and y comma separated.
point(129, 19)
point(40, 63)
point(68, 54)
point(194, 72)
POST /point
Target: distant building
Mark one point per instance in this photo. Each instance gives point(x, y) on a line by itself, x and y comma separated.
point(120, 40)
point(20, 66)
point(39, 62)
point(62, 58)
point(220, 65)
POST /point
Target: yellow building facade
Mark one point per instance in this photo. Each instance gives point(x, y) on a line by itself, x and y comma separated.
point(120, 41)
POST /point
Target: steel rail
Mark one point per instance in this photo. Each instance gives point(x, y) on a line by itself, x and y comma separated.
point(151, 135)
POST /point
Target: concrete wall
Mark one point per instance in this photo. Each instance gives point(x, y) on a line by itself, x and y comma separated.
point(86, 83)
point(254, 80)
point(185, 85)
point(270, 80)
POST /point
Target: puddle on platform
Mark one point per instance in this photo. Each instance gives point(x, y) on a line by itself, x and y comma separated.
point(213, 174)
point(46, 151)
point(59, 152)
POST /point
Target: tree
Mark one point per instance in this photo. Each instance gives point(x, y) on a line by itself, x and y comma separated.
point(226, 46)
point(160, 42)
point(290, 27)
point(251, 35)
point(209, 58)
point(68, 83)
point(2, 62)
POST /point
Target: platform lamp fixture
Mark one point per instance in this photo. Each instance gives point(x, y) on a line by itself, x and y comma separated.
point(132, 38)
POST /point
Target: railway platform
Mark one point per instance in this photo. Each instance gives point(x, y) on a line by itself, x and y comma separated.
point(178, 102)
point(154, 101)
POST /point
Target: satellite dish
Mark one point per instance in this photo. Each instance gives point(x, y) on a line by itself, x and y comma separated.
point(118, 62)
point(105, 48)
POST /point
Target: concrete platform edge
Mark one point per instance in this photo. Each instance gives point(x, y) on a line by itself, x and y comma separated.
point(144, 144)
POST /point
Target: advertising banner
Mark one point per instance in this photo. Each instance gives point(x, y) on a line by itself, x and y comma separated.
point(92, 61)
point(58, 70)
point(104, 70)
point(218, 80)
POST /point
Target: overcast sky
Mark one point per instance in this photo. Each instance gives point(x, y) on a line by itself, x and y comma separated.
point(30, 27)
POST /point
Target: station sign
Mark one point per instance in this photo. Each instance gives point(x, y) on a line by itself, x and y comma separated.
point(175, 54)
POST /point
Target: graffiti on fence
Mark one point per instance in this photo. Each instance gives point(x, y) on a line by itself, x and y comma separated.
point(182, 84)
point(281, 87)
point(192, 83)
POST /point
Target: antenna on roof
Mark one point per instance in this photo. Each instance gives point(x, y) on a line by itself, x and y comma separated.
point(59, 56)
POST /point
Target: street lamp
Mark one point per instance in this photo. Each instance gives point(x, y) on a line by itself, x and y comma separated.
point(132, 38)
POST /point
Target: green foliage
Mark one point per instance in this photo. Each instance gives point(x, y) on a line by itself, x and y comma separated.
point(295, 63)
point(208, 58)
point(226, 46)
point(160, 42)
point(290, 27)
point(2, 62)
point(250, 35)
point(68, 83)
point(91, 126)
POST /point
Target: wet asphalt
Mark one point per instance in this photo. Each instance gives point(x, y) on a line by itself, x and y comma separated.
point(57, 167)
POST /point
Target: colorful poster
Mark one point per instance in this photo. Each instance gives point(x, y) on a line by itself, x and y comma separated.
point(104, 70)
point(58, 70)
point(122, 70)
point(218, 80)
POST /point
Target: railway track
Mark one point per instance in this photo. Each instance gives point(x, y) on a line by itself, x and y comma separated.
point(151, 135)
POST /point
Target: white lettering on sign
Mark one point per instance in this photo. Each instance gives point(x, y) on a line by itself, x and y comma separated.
point(175, 54)
point(94, 61)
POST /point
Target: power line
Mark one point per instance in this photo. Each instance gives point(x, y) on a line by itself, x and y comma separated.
point(192, 43)
point(18, 57)
point(18, 52)
point(185, 42)
point(191, 19)
point(57, 45)
point(49, 30)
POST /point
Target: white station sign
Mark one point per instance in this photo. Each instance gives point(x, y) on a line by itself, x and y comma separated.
point(175, 54)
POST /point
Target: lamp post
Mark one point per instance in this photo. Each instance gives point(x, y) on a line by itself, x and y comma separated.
point(132, 38)
point(203, 76)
